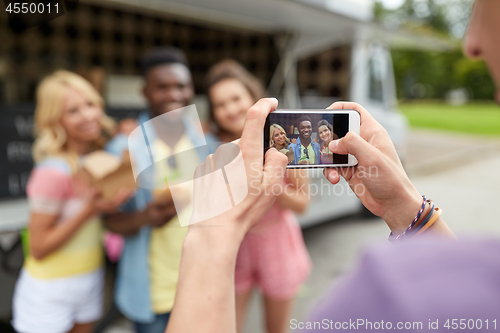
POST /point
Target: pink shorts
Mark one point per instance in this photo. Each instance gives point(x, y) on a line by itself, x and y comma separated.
point(273, 258)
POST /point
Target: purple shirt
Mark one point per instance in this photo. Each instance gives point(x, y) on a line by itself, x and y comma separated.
point(412, 285)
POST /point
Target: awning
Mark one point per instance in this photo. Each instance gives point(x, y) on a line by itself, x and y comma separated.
point(314, 27)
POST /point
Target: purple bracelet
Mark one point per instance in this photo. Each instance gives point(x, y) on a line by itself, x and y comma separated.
point(392, 237)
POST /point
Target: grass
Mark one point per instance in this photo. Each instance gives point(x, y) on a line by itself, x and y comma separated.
point(475, 118)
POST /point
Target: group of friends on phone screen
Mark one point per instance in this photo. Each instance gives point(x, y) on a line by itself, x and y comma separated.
point(304, 150)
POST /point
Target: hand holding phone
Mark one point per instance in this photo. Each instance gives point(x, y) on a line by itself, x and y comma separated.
point(379, 180)
point(304, 135)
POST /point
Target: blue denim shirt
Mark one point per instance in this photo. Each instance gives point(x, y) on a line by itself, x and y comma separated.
point(132, 293)
point(297, 151)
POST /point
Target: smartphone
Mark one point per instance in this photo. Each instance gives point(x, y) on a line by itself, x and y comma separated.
point(303, 136)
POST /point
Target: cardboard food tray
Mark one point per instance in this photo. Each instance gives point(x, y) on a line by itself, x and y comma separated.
point(107, 172)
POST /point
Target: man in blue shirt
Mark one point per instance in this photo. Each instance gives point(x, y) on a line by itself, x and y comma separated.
point(148, 269)
point(305, 150)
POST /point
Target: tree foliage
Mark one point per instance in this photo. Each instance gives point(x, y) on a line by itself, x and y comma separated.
point(425, 74)
point(431, 75)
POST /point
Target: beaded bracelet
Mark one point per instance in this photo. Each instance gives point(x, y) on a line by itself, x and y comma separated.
point(424, 202)
point(435, 215)
point(426, 218)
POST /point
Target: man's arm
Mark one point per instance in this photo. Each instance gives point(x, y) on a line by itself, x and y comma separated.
point(126, 224)
point(156, 214)
point(205, 299)
point(206, 283)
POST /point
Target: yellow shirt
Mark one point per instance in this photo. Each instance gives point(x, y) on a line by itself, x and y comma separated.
point(310, 152)
point(166, 241)
point(51, 190)
point(82, 254)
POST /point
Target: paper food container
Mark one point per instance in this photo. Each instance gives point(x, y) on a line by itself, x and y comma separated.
point(107, 172)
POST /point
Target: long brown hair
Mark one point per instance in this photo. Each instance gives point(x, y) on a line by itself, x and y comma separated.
point(231, 69)
point(324, 122)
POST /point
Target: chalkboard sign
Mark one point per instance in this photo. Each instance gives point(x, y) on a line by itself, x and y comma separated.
point(16, 140)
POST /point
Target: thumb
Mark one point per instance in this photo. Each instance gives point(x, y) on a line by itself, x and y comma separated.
point(355, 145)
point(274, 167)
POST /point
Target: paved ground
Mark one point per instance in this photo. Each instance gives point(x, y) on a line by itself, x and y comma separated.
point(437, 151)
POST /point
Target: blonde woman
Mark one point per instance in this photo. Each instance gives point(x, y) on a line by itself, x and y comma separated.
point(280, 141)
point(60, 285)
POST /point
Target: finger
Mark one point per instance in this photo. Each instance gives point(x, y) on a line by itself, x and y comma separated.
point(331, 175)
point(166, 204)
point(274, 167)
point(167, 214)
point(346, 173)
point(355, 145)
point(251, 139)
point(159, 204)
point(256, 118)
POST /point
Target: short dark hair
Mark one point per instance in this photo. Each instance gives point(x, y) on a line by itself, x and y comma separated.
point(162, 56)
point(303, 118)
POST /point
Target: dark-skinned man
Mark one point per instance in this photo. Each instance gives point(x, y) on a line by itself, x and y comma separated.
point(305, 150)
point(149, 266)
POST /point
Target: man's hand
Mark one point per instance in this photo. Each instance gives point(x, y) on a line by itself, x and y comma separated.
point(206, 279)
point(379, 180)
point(247, 174)
point(96, 204)
point(160, 212)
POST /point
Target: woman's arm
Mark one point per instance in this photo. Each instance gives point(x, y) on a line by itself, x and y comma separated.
point(295, 194)
point(47, 234)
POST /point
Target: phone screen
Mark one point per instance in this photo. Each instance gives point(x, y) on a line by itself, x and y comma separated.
point(304, 137)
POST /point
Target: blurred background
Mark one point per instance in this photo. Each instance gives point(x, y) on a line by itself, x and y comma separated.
point(401, 59)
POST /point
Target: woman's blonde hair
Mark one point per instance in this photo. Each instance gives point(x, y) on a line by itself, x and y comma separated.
point(272, 128)
point(50, 135)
